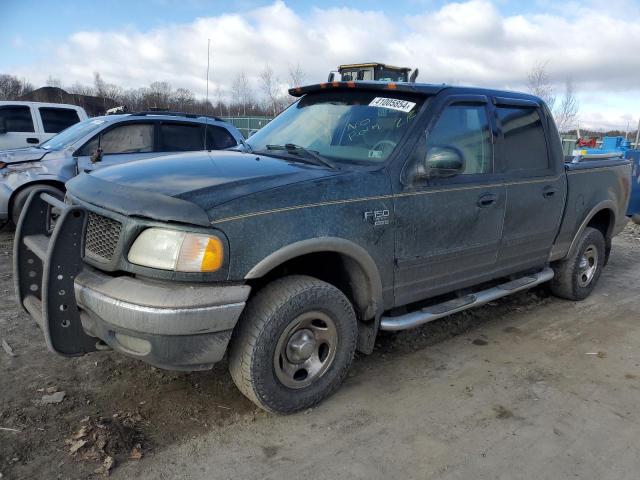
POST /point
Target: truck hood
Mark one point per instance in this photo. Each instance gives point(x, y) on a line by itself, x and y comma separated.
point(17, 155)
point(208, 179)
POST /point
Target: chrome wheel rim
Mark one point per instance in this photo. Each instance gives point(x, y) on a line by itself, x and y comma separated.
point(587, 266)
point(305, 350)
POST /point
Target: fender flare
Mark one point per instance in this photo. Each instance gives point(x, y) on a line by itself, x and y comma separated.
point(604, 205)
point(358, 256)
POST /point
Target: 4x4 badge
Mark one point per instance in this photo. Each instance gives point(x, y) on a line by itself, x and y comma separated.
point(377, 217)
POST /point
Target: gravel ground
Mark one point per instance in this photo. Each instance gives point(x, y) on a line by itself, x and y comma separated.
point(527, 387)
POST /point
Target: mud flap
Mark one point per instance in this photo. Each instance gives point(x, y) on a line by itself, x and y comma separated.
point(47, 256)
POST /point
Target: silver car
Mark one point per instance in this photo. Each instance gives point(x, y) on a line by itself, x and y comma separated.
point(102, 141)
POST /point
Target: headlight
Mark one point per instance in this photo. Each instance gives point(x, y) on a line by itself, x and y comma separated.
point(178, 251)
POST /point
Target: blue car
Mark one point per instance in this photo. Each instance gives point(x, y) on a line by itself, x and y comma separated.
point(100, 142)
point(634, 202)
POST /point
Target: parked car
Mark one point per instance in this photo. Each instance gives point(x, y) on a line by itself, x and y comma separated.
point(100, 142)
point(30, 123)
point(362, 207)
point(634, 202)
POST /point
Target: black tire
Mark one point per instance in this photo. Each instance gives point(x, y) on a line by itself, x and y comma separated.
point(571, 280)
point(20, 199)
point(265, 328)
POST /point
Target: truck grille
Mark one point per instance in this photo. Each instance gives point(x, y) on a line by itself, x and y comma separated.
point(101, 237)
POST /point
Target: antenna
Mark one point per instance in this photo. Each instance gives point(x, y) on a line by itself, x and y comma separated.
point(626, 134)
point(206, 120)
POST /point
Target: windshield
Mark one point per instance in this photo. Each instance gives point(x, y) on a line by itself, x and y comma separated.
point(72, 134)
point(351, 126)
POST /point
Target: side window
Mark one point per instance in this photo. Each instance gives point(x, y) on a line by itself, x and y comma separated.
point(465, 128)
point(131, 138)
point(176, 137)
point(524, 145)
point(17, 119)
point(54, 120)
point(90, 147)
point(218, 138)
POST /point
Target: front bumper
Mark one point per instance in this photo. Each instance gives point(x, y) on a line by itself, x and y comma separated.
point(167, 324)
point(173, 325)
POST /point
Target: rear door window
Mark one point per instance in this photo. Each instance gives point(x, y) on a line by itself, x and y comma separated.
point(524, 145)
point(219, 138)
point(176, 137)
point(54, 120)
point(17, 118)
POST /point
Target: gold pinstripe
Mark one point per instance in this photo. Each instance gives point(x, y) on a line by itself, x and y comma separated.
point(378, 197)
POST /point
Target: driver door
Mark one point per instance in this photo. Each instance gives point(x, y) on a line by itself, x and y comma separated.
point(122, 143)
point(449, 225)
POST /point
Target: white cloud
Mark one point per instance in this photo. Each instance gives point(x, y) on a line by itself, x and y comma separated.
point(469, 43)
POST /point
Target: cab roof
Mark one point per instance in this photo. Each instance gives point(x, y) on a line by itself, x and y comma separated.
point(426, 89)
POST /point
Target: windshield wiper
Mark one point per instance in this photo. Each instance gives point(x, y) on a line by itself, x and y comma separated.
point(297, 149)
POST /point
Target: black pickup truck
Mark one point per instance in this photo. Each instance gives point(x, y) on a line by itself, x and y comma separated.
point(362, 207)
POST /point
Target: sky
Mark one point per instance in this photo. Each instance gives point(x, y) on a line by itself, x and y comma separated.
point(494, 43)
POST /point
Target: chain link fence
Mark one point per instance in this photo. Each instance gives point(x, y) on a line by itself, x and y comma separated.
point(247, 125)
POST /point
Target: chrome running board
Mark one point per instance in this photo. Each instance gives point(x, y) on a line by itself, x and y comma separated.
point(434, 312)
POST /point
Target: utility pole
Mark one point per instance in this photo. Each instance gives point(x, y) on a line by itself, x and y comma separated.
point(638, 136)
point(206, 105)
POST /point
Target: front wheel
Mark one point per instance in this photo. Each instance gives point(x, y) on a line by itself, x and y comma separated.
point(576, 276)
point(294, 344)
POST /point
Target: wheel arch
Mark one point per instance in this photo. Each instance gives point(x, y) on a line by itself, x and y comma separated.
point(51, 182)
point(344, 264)
point(602, 217)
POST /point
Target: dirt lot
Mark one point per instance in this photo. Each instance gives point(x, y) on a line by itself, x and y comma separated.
point(528, 387)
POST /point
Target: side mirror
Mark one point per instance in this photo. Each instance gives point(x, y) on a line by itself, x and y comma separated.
point(96, 156)
point(441, 162)
point(332, 75)
point(3, 125)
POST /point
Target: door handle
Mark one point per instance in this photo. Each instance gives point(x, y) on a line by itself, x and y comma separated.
point(549, 192)
point(487, 200)
point(33, 140)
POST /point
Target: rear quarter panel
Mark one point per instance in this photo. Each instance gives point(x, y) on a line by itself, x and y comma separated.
point(593, 186)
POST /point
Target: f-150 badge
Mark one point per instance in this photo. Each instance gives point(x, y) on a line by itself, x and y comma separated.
point(377, 217)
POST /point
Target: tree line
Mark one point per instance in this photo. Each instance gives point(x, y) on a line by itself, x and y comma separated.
point(267, 95)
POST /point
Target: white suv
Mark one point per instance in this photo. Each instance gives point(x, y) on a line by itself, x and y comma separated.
point(23, 124)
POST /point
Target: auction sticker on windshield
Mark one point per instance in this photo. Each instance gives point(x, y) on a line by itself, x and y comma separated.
point(392, 104)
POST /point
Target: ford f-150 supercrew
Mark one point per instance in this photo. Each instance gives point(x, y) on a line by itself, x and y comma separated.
point(364, 206)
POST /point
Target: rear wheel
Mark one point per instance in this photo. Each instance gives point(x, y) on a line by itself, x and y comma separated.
point(294, 344)
point(21, 198)
point(576, 276)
